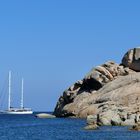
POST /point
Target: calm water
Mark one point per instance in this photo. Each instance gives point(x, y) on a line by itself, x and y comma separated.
point(16, 127)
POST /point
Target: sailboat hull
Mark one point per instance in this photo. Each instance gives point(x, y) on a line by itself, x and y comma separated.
point(16, 112)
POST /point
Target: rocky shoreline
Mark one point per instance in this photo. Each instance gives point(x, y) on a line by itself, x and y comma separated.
point(110, 93)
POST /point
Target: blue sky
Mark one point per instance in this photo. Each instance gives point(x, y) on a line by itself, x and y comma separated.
point(53, 43)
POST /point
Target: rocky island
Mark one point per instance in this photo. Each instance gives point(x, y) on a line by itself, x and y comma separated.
point(109, 92)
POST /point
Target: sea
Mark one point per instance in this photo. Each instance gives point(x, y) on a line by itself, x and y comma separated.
point(28, 127)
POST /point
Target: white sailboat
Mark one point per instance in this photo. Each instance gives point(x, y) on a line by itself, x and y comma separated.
point(12, 110)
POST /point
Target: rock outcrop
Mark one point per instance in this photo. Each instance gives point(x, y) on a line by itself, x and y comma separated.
point(91, 123)
point(132, 59)
point(136, 127)
point(110, 91)
point(44, 115)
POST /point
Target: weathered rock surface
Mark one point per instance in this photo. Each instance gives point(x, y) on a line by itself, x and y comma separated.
point(136, 127)
point(91, 123)
point(132, 59)
point(110, 91)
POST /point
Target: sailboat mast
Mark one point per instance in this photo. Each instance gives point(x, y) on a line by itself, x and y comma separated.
point(9, 97)
point(22, 84)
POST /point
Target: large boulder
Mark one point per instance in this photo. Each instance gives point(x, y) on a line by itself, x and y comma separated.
point(91, 123)
point(91, 119)
point(110, 117)
point(111, 92)
point(74, 101)
point(132, 59)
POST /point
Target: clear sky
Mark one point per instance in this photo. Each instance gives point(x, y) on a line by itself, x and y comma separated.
point(53, 43)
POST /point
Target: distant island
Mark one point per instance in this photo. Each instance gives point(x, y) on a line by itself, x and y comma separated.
point(111, 92)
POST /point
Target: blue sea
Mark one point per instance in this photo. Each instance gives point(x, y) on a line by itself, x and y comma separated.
point(28, 127)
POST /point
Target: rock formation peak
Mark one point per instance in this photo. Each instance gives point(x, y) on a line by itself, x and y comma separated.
point(132, 59)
